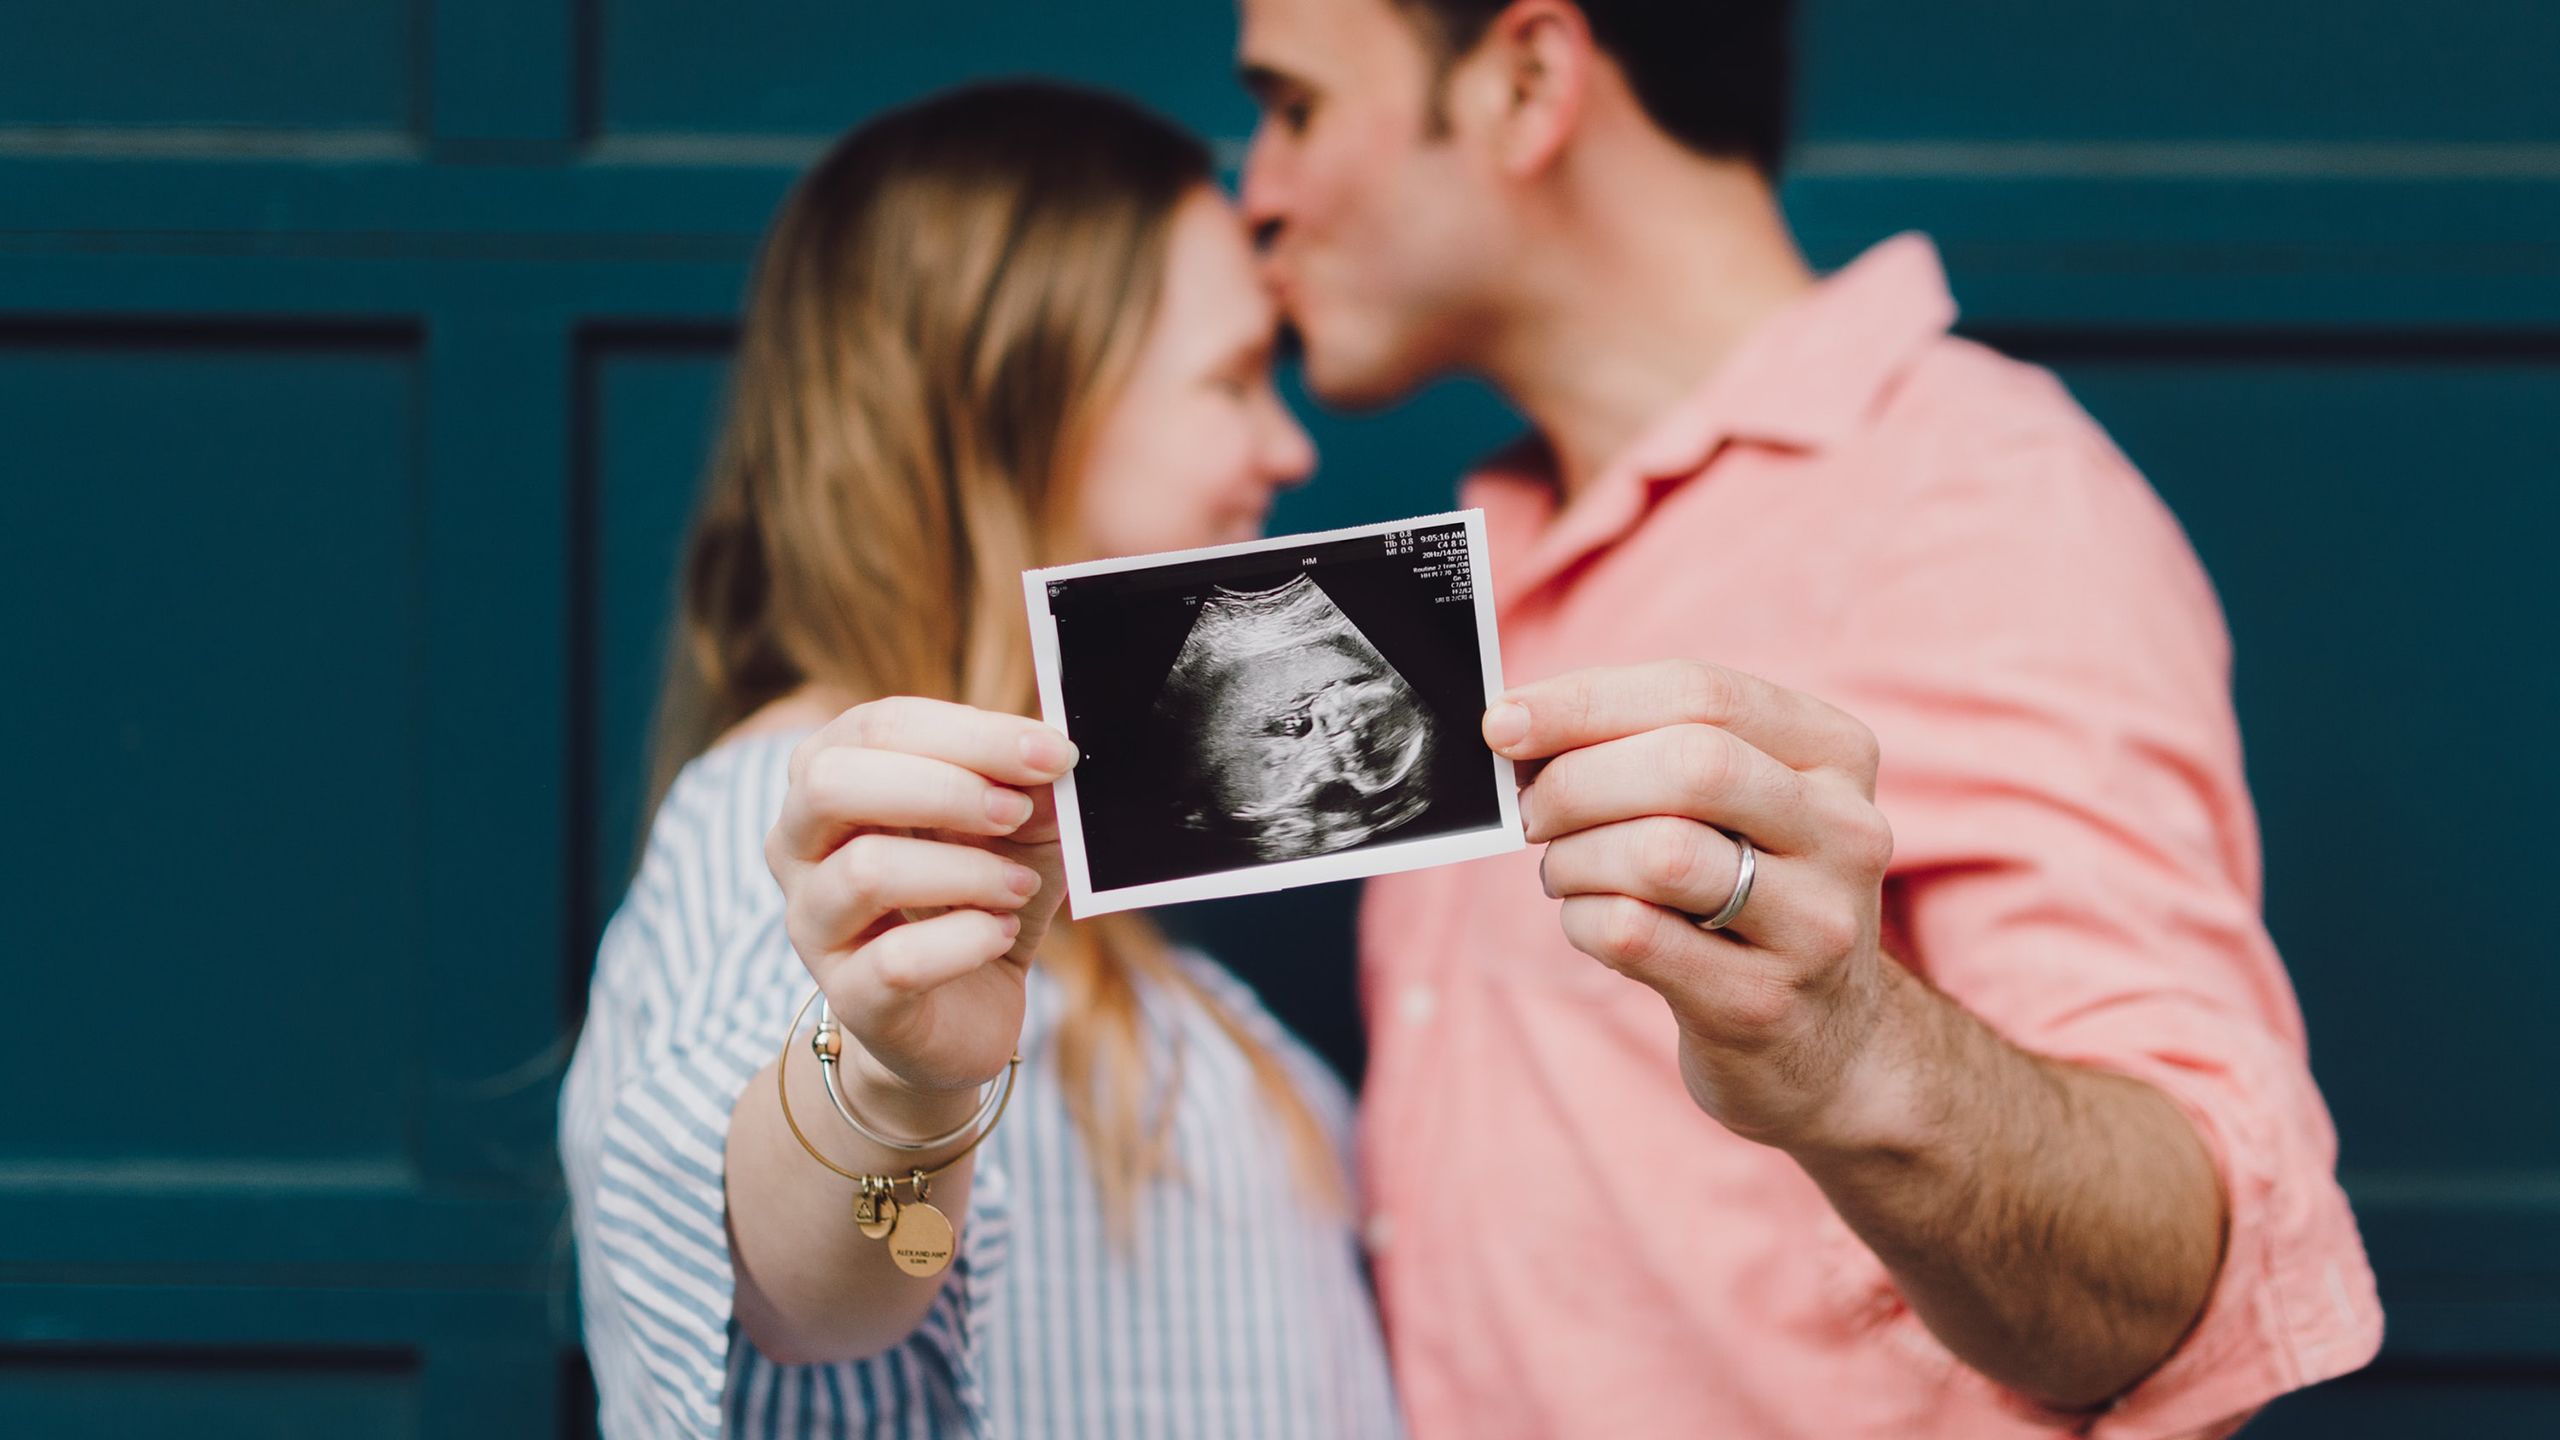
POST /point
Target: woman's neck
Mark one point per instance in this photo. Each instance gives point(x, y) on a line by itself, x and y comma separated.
point(806, 708)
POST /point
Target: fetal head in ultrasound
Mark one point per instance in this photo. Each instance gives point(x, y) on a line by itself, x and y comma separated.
point(1301, 738)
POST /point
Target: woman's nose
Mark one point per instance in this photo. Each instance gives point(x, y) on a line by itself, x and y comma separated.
point(1288, 452)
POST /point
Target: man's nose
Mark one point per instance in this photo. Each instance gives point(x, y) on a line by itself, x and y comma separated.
point(1259, 193)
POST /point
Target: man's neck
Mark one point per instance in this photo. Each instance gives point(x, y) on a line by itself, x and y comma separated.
point(1646, 292)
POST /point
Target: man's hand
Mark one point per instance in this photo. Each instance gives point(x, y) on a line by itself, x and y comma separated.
point(2057, 1227)
point(1649, 772)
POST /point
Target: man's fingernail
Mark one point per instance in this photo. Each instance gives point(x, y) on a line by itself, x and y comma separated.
point(1008, 808)
point(1048, 751)
point(1506, 725)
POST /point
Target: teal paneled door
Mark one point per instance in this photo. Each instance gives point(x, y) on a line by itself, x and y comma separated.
point(356, 363)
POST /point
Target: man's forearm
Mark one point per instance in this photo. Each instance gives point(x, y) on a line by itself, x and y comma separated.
point(2056, 1227)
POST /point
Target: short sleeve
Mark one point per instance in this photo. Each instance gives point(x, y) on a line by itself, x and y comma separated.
point(644, 1123)
point(2046, 669)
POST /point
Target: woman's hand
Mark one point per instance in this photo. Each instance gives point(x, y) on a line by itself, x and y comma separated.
point(918, 856)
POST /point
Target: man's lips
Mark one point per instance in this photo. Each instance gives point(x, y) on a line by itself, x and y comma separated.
point(1280, 282)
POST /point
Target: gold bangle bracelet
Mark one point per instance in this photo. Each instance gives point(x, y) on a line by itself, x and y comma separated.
point(782, 1090)
point(827, 1043)
point(921, 1238)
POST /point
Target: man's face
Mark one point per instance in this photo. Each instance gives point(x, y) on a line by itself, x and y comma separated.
point(1379, 236)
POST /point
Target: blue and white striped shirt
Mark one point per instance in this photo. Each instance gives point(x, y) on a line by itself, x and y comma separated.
point(1240, 1309)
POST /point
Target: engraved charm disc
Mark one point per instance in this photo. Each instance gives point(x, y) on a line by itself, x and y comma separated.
point(875, 1213)
point(921, 1243)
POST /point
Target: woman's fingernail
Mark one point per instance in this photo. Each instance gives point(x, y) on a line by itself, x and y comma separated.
point(1010, 923)
point(1048, 752)
point(1022, 880)
point(1008, 808)
point(1506, 725)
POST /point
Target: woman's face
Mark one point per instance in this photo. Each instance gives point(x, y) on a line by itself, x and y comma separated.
point(1192, 449)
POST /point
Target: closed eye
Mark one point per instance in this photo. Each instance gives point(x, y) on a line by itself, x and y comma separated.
point(1282, 97)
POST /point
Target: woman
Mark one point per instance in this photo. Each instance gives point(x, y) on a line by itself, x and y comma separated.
point(1007, 327)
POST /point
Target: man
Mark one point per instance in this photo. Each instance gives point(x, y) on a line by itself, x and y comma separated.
point(2007, 1123)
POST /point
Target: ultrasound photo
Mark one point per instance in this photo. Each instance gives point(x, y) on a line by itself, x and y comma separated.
point(1278, 713)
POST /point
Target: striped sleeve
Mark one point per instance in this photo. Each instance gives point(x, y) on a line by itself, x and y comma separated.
point(688, 1001)
point(653, 1236)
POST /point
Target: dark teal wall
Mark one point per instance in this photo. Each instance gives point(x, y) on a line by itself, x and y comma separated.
point(355, 365)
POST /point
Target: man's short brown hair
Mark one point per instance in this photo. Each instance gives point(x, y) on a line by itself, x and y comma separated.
point(1716, 75)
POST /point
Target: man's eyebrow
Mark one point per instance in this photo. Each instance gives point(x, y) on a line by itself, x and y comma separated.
point(1264, 83)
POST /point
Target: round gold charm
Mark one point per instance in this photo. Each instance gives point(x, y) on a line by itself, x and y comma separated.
point(875, 1214)
point(921, 1243)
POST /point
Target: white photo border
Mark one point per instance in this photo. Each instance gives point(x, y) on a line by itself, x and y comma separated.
point(1500, 838)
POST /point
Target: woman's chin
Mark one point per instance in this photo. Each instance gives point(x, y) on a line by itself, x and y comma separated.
point(1233, 527)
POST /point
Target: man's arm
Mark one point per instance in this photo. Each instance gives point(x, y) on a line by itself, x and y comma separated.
point(2056, 1227)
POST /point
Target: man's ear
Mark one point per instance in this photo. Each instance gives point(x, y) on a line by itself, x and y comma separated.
point(1530, 74)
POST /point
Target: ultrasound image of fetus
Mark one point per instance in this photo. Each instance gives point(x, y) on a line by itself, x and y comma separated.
point(1298, 737)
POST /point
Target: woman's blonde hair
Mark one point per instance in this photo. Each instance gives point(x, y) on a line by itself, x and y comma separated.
point(944, 306)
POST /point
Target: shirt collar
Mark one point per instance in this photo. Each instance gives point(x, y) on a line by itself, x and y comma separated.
point(1804, 379)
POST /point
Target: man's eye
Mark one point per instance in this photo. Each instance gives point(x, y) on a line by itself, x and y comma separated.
point(1294, 115)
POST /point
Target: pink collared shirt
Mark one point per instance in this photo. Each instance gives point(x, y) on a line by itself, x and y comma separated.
point(1938, 540)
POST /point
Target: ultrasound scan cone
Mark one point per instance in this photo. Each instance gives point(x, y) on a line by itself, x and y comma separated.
point(1301, 738)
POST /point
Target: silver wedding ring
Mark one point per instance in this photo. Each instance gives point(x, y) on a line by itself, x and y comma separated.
point(1750, 864)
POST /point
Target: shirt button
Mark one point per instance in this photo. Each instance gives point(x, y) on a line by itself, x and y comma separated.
point(1416, 1004)
point(1380, 1232)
